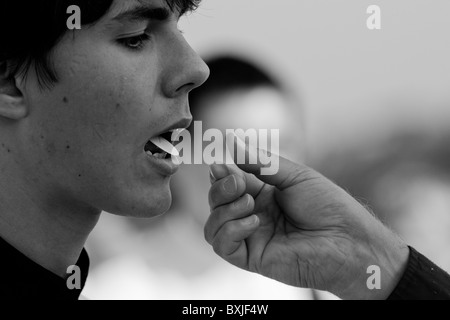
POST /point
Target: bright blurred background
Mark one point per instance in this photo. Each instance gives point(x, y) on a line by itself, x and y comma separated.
point(372, 113)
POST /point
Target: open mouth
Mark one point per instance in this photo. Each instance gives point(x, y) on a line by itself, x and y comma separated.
point(162, 146)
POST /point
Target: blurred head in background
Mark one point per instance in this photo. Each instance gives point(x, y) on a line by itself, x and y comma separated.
point(239, 94)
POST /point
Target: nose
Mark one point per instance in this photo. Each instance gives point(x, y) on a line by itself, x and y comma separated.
point(185, 70)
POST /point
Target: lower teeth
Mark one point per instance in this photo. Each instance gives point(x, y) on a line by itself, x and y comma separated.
point(157, 155)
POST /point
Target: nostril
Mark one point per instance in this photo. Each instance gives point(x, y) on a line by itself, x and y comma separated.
point(187, 87)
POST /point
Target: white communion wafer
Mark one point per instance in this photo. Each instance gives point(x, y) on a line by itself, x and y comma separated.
point(165, 146)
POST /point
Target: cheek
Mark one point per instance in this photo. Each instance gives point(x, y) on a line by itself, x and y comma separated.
point(108, 92)
point(100, 106)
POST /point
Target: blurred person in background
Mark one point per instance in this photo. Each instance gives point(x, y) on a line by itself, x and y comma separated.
point(238, 95)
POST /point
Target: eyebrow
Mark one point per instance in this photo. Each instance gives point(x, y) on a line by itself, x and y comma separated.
point(142, 12)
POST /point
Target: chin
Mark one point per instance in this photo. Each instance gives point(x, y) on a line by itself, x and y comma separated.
point(152, 204)
point(141, 202)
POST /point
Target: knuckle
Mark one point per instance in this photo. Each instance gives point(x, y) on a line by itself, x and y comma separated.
point(217, 247)
point(217, 216)
point(207, 233)
point(298, 175)
point(229, 229)
point(214, 196)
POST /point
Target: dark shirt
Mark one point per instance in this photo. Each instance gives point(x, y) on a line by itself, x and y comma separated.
point(22, 278)
point(422, 280)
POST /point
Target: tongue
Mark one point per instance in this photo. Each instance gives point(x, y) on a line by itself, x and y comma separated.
point(165, 146)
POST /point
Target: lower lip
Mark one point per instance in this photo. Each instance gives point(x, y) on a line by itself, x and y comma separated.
point(164, 166)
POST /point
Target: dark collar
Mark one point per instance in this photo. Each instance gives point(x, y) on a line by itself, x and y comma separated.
point(20, 277)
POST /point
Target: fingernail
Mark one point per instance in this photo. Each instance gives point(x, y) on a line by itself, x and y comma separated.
point(218, 171)
point(245, 203)
point(253, 219)
point(212, 179)
point(230, 185)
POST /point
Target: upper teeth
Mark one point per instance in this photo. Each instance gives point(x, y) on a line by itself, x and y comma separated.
point(165, 146)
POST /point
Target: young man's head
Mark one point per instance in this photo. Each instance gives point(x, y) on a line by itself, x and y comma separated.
point(77, 108)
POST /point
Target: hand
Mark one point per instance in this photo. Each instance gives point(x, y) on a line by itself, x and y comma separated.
point(299, 228)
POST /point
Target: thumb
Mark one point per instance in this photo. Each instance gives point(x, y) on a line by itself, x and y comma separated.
point(268, 167)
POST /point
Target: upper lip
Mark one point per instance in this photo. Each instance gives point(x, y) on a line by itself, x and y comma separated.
point(180, 124)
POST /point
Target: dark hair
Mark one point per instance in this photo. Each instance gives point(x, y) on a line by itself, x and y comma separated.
point(230, 73)
point(29, 30)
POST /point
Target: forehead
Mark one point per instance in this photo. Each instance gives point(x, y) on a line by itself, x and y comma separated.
point(121, 6)
point(123, 12)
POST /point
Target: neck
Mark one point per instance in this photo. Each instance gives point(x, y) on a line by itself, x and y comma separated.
point(51, 233)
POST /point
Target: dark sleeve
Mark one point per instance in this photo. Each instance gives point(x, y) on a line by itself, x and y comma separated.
point(422, 280)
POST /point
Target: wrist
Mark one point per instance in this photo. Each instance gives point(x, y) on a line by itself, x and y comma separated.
point(392, 253)
point(382, 260)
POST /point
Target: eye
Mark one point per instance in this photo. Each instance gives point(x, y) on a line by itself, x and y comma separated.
point(135, 42)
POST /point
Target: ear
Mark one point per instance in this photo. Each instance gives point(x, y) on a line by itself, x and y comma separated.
point(12, 102)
